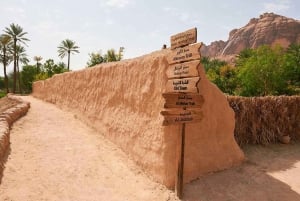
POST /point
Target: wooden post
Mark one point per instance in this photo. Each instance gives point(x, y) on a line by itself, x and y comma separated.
point(180, 162)
point(183, 100)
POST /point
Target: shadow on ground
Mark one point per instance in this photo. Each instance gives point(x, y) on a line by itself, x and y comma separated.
point(252, 180)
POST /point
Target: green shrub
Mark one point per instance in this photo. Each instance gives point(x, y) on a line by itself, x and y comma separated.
point(2, 94)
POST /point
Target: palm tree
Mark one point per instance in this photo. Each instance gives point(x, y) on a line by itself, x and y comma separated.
point(17, 34)
point(21, 58)
point(120, 55)
point(37, 59)
point(5, 41)
point(67, 47)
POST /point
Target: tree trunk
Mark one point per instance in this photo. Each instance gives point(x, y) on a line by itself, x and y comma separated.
point(6, 80)
point(15, 66)
point(5, 74)
point(37, 67)
point(19, 81)
point(69, 60)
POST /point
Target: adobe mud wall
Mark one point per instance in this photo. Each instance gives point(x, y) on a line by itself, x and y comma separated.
point(7, 118)
point(123, 101)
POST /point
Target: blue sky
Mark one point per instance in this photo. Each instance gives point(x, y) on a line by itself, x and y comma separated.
point(138, 25)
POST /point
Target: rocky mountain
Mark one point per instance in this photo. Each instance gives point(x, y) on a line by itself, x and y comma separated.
point(269, 29)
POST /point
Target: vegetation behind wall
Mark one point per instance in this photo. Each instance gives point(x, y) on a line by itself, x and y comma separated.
point(263, 120)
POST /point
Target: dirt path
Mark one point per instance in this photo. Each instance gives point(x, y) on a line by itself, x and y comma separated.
point(55, 157)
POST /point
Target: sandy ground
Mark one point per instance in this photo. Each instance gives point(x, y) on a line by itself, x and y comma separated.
point(270, 173)
point(53, 156)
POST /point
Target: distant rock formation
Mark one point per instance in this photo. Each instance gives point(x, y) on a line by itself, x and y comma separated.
point(268, 29)
point(214, 49)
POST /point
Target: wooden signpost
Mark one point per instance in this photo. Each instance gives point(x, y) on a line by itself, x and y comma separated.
point(187, 85)
point(178, 100)
point(183, 101)
point(184, 38)
point(181, 116)
point(187, 69)
point(186, 53)
point(181, 112)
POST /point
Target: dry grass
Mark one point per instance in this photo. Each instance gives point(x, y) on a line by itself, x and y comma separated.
point(264, 120)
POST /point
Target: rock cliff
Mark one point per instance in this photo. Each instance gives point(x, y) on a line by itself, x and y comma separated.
point(268, 29)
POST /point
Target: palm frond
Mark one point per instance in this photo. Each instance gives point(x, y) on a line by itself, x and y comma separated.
point(62, 54)
point(67, 46)
point(5, 39)
point(24, 60)
point(37, 58)
point(16, 33)
point(74, 51)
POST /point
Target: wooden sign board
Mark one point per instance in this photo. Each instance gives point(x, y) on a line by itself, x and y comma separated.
point(184, 38)
point(186, 85)
point(182, 116)
point(187, 53)
point(181, 112)
point(177, 100)
point(187, 69)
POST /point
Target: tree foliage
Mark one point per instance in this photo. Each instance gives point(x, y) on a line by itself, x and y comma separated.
point(258, 72)
point(110, 56)
point(292, 67)
point(220, 73)
point(267, 71)
point(2, 84)
point(50, 68)
point(30, 73)
point(214, 64)
point(95, 58)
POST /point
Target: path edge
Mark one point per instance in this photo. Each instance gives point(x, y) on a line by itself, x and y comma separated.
point(7, 118)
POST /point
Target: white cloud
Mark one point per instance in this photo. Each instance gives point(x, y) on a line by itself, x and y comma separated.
point(277, 6)
point(117, 3)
